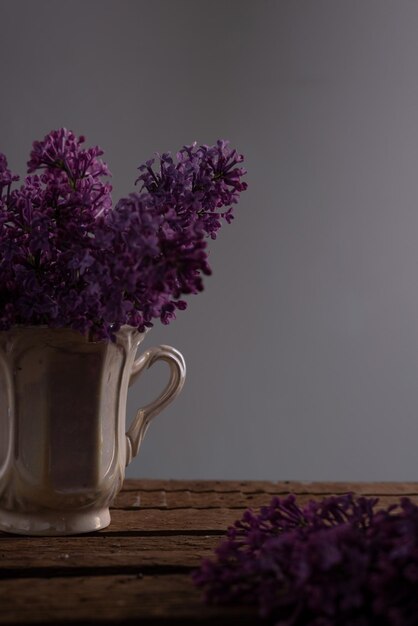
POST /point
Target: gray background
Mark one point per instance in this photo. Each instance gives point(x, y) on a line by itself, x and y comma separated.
point(302, 352)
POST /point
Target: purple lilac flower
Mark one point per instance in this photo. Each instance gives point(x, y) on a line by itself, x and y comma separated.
point(337, 561)
point(70, 259)
point(6, 180)
point(204, 180)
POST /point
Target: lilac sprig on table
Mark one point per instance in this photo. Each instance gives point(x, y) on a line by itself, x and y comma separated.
point(71, 259)
point(336, 561)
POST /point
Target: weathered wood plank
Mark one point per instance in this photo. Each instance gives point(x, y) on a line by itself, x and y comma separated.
point(106, 551)
point(186, 521)
point(187, 499)
point(202, 518)
point(132, 553)
point(179, 521)
point(153, 600)
point(159, 530)
point(257, 486)
point(69, 554)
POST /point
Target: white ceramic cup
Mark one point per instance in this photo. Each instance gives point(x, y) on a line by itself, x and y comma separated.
point(63, 439)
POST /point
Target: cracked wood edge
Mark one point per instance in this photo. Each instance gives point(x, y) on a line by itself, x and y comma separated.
point(280, 487)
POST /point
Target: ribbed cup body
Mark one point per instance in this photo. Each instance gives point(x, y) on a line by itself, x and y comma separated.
point(62, 427)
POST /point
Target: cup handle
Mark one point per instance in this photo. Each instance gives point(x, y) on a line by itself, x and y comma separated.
point(141, 421)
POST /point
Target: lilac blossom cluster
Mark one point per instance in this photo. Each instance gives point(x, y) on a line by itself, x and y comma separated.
point(337, 561)
point(71, 259)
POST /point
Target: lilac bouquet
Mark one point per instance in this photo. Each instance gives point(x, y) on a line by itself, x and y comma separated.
point(336, 562)
point(70, 259)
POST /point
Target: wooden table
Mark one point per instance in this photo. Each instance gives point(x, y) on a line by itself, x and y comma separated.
point(138, 569)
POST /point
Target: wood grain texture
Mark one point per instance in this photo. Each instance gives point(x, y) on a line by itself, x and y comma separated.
point(138, 569)
point(69, 555)
point(169, 599)
point(257, 486)
point(160, 498)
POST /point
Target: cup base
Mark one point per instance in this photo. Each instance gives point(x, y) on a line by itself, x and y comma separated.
point(54, 523)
